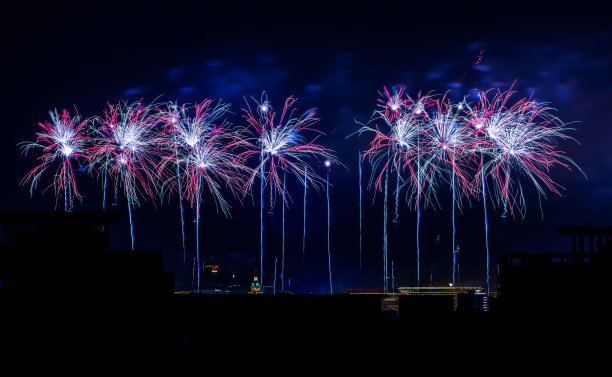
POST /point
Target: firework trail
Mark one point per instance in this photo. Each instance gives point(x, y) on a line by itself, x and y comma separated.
point(275, 262)
point(418, 209)
point(104, 187)
point(393, 107)
point(392, 280)
point(453, 203)
point(183, 133)
point(304, 232)
point(454, 247)
point(279, 142)
point(447, 156)
point(398, 147)
point(360, 212)
point(487, 119)
point(397, 191)
point(385, 240)
point(212, 162)
point(514, 141)
point(172, 117)
point(198, 199)
point(522, 137)
point(283, 247)
point(261, 218)
point(331, 289)
point(477, 60)
point(484, 203)
point(126, 149)
point(62, 141)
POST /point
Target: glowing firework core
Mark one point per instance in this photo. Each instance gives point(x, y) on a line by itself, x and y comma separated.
point(192, 141)
point(66, 150)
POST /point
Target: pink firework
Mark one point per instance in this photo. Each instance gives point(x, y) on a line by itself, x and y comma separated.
point(281, 144)
point(447, 149)
point(63, 142)
point(187, 131)
point(205, 156)
point(214, 164)
point(205, 153)
point(397, 146)
point(529, 149)
point(520, 141)
point(127, 148)
point(393, 105)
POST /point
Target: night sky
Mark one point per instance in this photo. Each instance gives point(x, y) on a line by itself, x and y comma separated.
point(335, 60)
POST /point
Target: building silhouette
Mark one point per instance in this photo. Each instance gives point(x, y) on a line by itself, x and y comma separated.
point(559, 282)
point(46, 254)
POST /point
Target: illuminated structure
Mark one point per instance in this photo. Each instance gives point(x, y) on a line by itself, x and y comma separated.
point(436, 291)
point(444, 298)
point(255, 287)
point(472, 301)
point(212, 269)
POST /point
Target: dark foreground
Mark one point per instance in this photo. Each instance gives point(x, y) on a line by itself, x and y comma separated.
point(61, 303)
point(350, 328)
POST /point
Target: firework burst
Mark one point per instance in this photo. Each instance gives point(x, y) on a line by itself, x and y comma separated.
point(203, 155)
point(281, 143)
point(524, 146)
point(183, 136)
point(398, 145)
point(127, 150)
point(515, 140)
point(397, 148)
point(213, 164)
point(63, 141)
point(393, 105)
point(447, 147)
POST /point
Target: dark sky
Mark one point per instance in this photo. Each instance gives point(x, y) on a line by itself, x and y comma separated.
point(335, 59)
